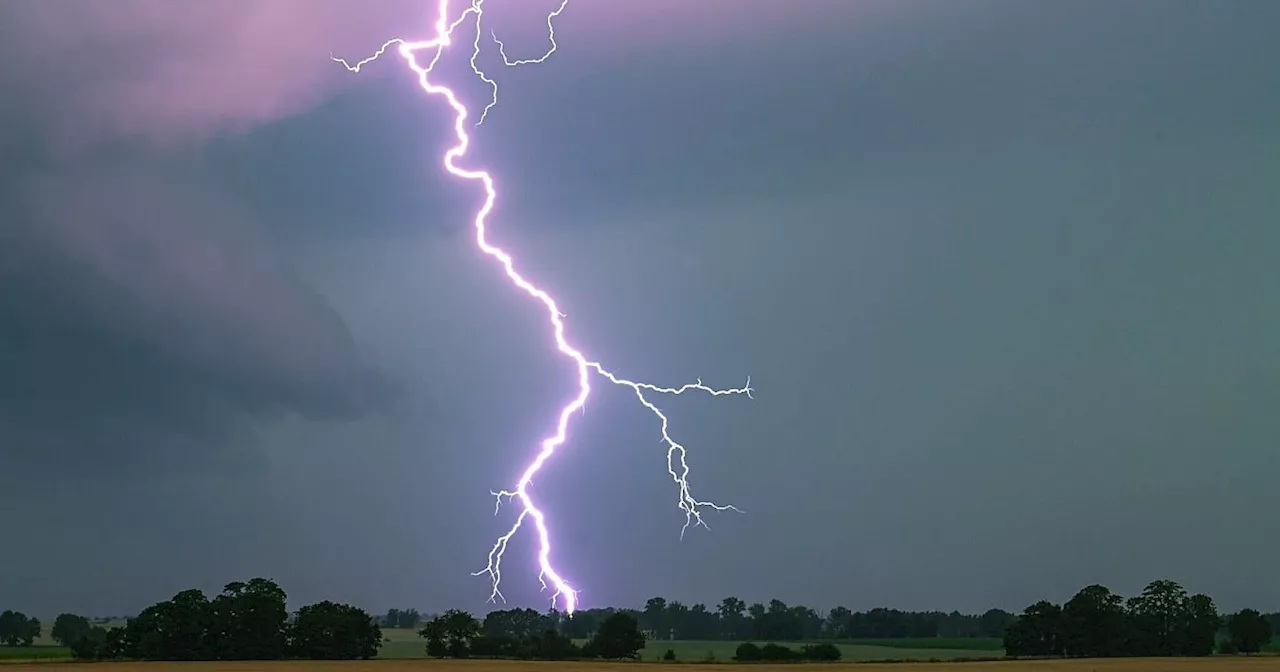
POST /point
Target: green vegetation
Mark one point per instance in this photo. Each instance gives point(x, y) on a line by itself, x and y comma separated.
point(403, 643)
point(1162, 621)
point(249, 621)
point(723, 651)
point(985, 645)
point(525, 634)
point(10, 654)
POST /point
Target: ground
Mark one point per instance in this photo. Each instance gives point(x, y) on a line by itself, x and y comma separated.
point(1234, 664)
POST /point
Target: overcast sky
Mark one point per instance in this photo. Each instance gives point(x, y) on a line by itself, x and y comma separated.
point(1003, 275)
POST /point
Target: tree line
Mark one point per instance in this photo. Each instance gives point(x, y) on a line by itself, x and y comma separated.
point(1164, 620)
point(735, 620)
point(404, 619)
point(529, 635)
point(247, 621)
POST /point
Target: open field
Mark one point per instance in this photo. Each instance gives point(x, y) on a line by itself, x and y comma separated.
point(985, 644)
point(34, 653)
point(1233, 664)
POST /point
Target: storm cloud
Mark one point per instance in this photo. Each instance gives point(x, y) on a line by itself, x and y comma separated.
point(999, 272)
point(147, 316)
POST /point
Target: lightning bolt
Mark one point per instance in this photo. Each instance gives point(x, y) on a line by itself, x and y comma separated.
point(677, 464)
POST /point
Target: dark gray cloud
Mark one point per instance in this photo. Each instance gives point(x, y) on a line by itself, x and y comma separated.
point(142, 316)
point(147, 321)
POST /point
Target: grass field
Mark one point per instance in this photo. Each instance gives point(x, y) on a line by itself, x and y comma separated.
point(985, 644)
point(1234, 664)
point(34, 653)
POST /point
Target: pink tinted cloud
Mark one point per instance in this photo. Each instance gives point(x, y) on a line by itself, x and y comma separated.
point(176, 71)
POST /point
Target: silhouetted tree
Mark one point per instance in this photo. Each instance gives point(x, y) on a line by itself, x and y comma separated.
point(331, 631)
point(17, 629)
point(450, 635)
point(655, 619)
point(401, 618)
point(619, 636)
point(515, 623)
point(68, 628)
point(248, 621)
point(1158, 620)
point(733, 622)
point(1036, 632)
point(174, 630)
point(837, 623)
point(994, 622)
point(757, 623)
point(1248, 631)
point(1200, 632)
point(583, 623)
point(1093, 624)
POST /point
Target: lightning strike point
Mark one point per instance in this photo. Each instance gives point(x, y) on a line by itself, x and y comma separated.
point(677, 465)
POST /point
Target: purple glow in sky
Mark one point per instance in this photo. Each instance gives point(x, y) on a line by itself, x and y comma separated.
point(677, 465)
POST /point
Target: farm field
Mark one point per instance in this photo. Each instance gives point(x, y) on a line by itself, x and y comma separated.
point(1233, 664)
point(34, 653)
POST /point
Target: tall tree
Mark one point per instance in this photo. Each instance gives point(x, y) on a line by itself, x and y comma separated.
point(993, 622)
point(1037, 632)
point(69, 628)
point(17, 629)
point(331, 631)
point(391, 619)
point(1249, 631)
point(804, 623)
point(248, 621)
point(450, 634)
point(654, 618)
point(409, 618)
point(758, 621)
point(838, 622)
point(733, 623)
point(1200, 634)
point(515, 623)
point(178, 629)
point(1159, 619)
point(619, 636)
point(1093, 624)
point(701, 623)
point(780, 622)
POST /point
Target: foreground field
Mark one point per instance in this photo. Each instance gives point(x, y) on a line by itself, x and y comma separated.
point(1234, 664)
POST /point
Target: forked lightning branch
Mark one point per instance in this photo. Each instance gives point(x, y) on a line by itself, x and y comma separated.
point(422, 57)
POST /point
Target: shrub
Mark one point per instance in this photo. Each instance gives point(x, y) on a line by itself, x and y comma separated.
point(825, 652)
point(776, 652)
point(747, 652)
